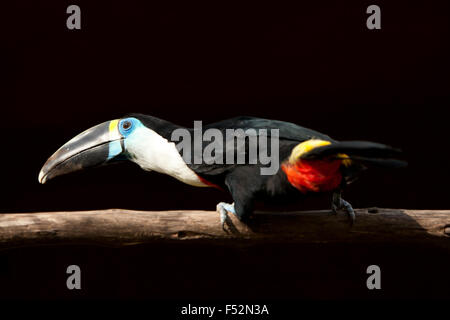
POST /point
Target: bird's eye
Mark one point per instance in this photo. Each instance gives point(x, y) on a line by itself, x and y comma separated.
point(126, 125)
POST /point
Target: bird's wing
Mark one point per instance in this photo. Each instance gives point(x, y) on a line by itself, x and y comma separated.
point(289, 135)
point(287, 130)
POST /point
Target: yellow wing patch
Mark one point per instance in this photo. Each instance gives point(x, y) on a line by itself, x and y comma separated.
point(309, 145)
point(305, 147)
point(346, 161)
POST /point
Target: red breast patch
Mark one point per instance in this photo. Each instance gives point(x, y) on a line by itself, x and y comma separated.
point(313, 175)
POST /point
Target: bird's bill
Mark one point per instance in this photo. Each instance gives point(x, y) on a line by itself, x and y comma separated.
point(93, 147)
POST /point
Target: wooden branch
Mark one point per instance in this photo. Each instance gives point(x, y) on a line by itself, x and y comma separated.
point(116, 227)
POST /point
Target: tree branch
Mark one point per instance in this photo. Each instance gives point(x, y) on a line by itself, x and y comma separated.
point(117, 227)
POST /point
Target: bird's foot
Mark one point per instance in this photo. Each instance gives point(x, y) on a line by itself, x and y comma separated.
point(222, 208)
point(338, 203)
point(349, 209)
point(334, 208)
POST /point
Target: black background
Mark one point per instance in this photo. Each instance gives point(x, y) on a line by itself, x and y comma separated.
point(313, 63)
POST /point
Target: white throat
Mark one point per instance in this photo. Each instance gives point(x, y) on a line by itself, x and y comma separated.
point(152, 152)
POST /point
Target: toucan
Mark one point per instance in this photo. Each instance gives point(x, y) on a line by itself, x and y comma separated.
point(310, 162)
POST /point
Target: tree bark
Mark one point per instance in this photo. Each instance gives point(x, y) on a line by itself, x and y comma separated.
point(117, 227)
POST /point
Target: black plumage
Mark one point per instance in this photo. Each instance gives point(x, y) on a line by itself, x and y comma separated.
point(245, 182)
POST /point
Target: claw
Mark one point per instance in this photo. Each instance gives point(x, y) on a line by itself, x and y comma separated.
point(334, 209)
point(339, 203)
point(223, 215)
point(334, 203)
point(350, 212)
point(222, 208)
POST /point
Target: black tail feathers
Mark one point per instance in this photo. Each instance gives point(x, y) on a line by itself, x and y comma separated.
point(365, 152)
